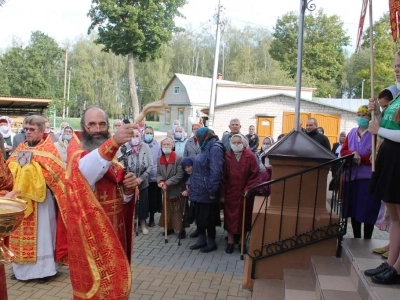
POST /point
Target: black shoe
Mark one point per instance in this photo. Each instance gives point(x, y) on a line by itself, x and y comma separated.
point(170, 231)
point(194, 234)
point(236, 238)
point(390, 276)
point(382, 268)
point(208, 249)
point(182, 234)
point(229, 248)
point(12, 277)
point(151, 223)
point(197, 246)
point(45, 279)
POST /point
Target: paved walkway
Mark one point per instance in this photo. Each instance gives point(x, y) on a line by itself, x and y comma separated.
point(160, 271)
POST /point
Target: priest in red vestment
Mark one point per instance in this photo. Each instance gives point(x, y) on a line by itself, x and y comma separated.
point(100, 197)
point(40, 242)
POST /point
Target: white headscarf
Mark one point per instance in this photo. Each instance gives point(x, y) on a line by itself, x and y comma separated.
point(9, 132)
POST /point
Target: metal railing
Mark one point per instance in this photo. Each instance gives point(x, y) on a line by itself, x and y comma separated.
point(336, 208)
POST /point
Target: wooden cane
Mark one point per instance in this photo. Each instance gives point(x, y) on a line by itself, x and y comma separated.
point(165, 217)
point(243, 225)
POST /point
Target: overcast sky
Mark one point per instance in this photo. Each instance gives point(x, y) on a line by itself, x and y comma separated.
point(66, 20)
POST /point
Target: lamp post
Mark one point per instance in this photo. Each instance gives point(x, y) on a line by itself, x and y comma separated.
point(362, 89)
point(304, 5)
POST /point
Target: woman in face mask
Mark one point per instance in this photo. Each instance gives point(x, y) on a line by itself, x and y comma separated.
point(180, 140)
point(170, 177)
point(8, 135)
point(140, 163)
point(63, 142)
point(266, 144)
point(364, 207)
point(239, 175)
point(155, 197)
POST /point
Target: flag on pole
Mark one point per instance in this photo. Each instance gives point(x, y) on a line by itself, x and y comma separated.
point(394, 8)
point(361, 23)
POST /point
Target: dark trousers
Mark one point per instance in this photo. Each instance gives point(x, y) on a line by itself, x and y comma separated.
point(368, 229)
point(211, 231)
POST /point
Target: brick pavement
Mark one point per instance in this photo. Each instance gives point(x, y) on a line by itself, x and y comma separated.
point(163, 271)
point(160, 271)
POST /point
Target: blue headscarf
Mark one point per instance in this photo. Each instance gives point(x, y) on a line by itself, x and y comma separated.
point(204, 135)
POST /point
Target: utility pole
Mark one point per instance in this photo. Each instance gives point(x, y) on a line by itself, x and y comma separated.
point(304, 5)
point(65, 82)
point(69, 87)
point(215, 70)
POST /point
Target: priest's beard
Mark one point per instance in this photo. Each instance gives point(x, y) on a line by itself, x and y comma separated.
point(89, 142)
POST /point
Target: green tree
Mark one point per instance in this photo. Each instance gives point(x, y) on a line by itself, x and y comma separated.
point(137, 29)
point(33, 70)
point(384, 50)
point(323, 54)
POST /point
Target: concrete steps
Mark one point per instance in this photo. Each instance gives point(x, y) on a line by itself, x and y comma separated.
point(357, 257)
point(331, 278)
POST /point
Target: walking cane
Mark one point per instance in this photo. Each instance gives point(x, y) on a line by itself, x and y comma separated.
point(137, 210)
point(243, 225)
point(165, 217)
point(183, 220)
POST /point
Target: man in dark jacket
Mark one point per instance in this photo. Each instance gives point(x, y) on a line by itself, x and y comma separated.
point(312, 132)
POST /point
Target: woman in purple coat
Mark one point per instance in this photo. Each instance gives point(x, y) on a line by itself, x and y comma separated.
point(364, 207)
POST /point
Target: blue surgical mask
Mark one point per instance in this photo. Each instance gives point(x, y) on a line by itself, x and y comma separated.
point(178, 135)
point(148, 138)
point(67, 137)
point(362, 122)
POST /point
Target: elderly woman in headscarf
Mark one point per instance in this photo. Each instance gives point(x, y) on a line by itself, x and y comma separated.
point(140, 163)
point(363, 207)
point(170, 178)
point(239, 176)
point(63, 142)
point(180, 140)
point(192, 147)
point(205, 186)
point(265, 145)
point(7, 133)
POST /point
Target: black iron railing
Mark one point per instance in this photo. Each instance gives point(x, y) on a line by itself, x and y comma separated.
point(334, 227)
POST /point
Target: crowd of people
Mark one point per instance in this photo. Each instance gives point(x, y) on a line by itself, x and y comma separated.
point(77, 191)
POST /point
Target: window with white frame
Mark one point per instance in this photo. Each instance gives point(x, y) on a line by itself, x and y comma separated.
point(176, 89)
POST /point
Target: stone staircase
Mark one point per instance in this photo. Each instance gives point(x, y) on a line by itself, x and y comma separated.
point(331, 278)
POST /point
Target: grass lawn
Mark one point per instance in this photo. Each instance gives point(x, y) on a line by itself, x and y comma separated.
point(75, 123)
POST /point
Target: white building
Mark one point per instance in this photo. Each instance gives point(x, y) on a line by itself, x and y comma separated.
point(269, 108)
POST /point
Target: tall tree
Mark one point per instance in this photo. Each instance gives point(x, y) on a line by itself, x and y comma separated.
point(384, 50)
point(324, 42)
point(137, 29)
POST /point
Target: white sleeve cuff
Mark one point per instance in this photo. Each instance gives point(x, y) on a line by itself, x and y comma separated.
point(128, 198)
point(393, 135)
point(93, 167)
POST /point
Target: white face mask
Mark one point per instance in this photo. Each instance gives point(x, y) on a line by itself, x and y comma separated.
point(135, 141)
point(265, 147)
point(178, 135)
point(47, 131)
point(4, 128)
point(237, 148)
point(167, 150)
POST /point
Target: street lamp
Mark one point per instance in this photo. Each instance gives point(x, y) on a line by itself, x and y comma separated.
point(362, 89)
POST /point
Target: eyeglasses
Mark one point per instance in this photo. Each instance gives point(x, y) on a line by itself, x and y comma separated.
point(30, 129)
point(93, 126)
